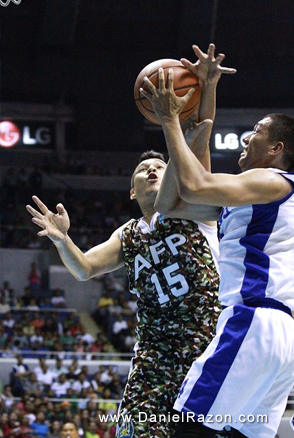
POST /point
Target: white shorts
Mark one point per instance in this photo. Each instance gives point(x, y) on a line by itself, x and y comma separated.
point(244, 377)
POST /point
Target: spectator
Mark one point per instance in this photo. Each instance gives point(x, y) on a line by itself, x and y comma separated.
point(91, 432)
point(70, 430)
point(54, 430)
point(5, 290)
point(46, 377)
point(59, 388)
point(32, 386)
point(37, 340)
point(24, 428)
point(58, 368)
point(38, 321)
point(132, 303)
point(27, 296)
point(38, 368)
point(106, 374)
point(4, 306)
point(8, 323)
point(7, 398)
point(12, 301)
point(109, 406)
point(34, 278)
point(96, 383)
point(19, 373)
point(39, 426)
point(86, 337)
point(118, 331)
point(33, 306)
point(20, 337)
point(80, 383)
point(11, 426)
point(58, 300)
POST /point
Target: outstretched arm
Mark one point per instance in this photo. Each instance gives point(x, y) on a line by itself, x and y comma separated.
point(102, 258)
point(195, 183)
point(209, 71)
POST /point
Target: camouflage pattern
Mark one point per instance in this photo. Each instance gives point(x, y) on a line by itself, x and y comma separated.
point(171, 269)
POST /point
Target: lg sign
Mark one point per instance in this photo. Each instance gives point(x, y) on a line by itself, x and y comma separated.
point(231, 140)
point(24, 135)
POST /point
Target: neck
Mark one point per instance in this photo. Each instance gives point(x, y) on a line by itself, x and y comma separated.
point(148, 214)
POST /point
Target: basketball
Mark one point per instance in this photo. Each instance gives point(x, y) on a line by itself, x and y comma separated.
point(183, 81)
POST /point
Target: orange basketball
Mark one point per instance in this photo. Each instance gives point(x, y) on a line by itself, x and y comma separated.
point(183, 81)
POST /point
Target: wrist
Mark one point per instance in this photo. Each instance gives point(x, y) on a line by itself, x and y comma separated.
point(63, 241)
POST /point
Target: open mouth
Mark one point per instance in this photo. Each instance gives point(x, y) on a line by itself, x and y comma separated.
point(152, 176)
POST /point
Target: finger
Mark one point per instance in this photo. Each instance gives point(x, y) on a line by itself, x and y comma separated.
point(188, 96)
point(170, 79)
point(199, 53)
point(40, 204)
point(38, 222)
point(33, 212)
point(228, 70)
point(149, 84)
point(220, 57)
point(146, 94)
point(42, 233)
point(161, 79)
point(186, 63)
point(210, 51)
point(60, 208)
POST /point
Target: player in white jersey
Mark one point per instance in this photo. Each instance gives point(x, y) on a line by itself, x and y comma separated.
point(245, 375)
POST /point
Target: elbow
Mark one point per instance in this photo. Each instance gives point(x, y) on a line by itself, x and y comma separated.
point(82, 275)
point(187, 193)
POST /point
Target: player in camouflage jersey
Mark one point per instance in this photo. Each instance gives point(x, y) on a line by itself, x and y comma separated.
point(172, 271)
point(167, 342)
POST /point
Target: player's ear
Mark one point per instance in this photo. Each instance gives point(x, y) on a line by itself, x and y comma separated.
point(132, 194)
point(277, 148)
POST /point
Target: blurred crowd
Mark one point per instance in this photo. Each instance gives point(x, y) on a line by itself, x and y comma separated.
point(94, 214)
point(47, 397)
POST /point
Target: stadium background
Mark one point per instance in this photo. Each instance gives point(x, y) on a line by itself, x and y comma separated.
point(66, 82)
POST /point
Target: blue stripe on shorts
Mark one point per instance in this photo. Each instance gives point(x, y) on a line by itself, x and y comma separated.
point(217, 366)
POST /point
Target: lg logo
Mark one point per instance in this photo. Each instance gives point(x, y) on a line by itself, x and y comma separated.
point(10, 135)
point(229, 141)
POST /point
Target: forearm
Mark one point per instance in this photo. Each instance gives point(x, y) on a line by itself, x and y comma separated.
point(187, 168)
point(167, 198)
point(74, 259)
point(207, 106)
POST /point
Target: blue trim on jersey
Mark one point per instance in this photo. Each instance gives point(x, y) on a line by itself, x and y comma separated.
point(217, 366)
point(256, 261)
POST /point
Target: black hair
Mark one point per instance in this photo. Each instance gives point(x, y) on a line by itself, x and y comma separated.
point(146, 156)
point(281, 129)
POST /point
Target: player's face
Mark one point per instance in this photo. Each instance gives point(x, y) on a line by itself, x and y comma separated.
point(147, 177)
point(256, 147)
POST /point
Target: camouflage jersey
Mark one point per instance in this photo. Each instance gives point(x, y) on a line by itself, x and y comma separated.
point(171, 269)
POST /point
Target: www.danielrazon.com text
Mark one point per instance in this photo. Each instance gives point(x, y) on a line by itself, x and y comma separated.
point(190, 416)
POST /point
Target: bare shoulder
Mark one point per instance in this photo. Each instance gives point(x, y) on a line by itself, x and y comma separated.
point(264, 185)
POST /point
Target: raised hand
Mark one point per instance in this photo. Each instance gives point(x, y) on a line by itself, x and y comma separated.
point(207, 68)
point(165, 102)
point(54, 226)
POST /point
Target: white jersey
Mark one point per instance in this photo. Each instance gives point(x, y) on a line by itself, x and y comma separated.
point(257, 252)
